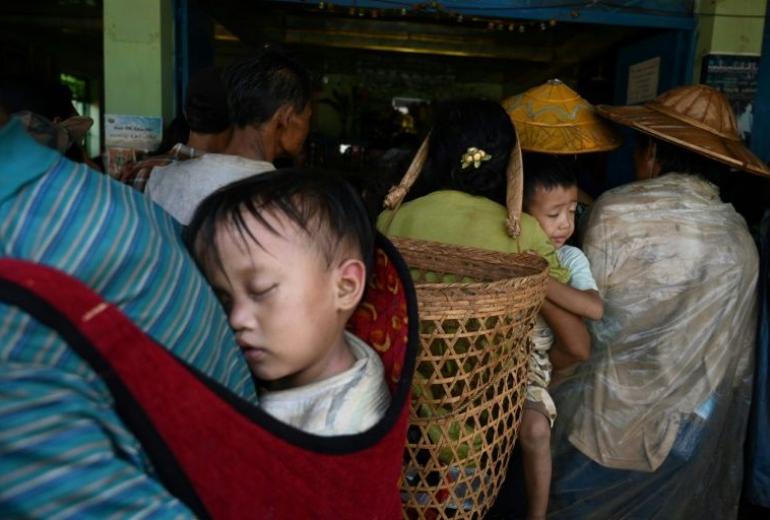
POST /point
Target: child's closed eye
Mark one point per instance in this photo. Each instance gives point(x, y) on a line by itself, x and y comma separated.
point(257, 293)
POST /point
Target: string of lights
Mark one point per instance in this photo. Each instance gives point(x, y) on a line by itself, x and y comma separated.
point(458, 12)
point(576, 5)
point(436, 10)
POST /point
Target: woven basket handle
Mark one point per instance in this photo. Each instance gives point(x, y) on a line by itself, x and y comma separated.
point(514, 191)
point(513, 195)
point(396, 194)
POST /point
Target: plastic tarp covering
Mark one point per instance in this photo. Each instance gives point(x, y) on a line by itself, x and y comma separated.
point(757, 485)
point(653, 425)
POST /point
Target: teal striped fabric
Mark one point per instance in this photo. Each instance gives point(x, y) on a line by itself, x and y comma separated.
point(64, 453)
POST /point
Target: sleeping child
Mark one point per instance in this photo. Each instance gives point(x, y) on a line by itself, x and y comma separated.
point(287, 252)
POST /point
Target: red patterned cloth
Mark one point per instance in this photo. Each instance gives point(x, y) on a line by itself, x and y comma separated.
point(382, 319)
point(220, 455)
point(137, 173)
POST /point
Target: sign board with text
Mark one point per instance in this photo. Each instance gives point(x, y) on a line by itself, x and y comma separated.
point(137, 132)
point(643, 79)
point(735, 75)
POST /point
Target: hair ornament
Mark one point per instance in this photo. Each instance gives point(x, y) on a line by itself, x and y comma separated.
point(474, 157)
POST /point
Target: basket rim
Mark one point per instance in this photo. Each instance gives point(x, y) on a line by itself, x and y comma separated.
point(535, 262)
point(500, 283)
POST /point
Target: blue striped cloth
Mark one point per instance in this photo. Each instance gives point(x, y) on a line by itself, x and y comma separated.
point(64, 453)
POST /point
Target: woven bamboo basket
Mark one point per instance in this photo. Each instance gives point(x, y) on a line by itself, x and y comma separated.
point(476, 310)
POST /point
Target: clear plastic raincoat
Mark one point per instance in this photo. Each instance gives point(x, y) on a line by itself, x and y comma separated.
point(653, 425)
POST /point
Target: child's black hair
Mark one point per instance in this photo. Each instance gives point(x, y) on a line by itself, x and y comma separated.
point(460, 124)
point(326, 207)
point(548, 172)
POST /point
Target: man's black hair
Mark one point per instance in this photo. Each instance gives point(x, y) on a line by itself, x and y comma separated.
point(326, 207)
point(548, 172)
point(259, 86)
point(461, 124)
point(206, 106)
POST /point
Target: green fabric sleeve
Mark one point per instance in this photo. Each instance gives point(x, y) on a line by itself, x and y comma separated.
point(453, 217)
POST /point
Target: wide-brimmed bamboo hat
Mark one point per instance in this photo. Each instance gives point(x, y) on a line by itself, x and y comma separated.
point(553, 118)
point(696, 117)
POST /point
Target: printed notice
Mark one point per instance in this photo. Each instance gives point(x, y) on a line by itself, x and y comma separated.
point(643, 81)
point(736, 75)
point(137, 132)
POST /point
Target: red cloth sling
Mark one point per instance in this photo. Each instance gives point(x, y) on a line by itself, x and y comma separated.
point(222, 456)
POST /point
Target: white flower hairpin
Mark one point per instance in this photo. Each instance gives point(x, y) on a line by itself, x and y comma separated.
point(474, 157)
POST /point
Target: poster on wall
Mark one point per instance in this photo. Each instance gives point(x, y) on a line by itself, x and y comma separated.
point(736, 76)
point(643, 79)
point(129, 138)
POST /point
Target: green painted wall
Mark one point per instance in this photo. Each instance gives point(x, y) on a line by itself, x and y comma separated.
point(138, 57)
point(728, 26)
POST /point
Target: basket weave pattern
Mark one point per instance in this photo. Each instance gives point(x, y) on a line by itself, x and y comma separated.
point(476, 311)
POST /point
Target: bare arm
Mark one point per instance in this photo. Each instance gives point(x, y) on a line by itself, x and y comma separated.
point(587, 304)
point(573, 344)
point(560, 360)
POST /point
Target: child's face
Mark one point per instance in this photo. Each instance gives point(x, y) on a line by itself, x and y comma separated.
point(280, 300)
point(554, 209)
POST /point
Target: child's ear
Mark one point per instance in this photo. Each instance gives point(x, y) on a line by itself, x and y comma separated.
point(351, 283)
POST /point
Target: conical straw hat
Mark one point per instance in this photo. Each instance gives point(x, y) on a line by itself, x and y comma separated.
point(553, 118)
point(696, 117)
